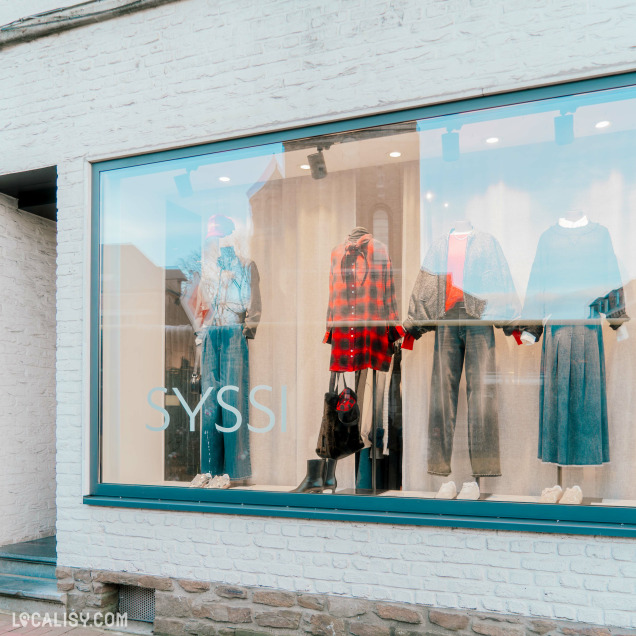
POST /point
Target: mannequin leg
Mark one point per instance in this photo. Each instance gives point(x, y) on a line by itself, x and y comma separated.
point(448, 360)
point(481, 389)
point(235, 374)
point(211, 440)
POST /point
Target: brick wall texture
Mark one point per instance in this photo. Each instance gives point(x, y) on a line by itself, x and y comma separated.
point(27, 374)
point(201, 70)
point(184, 607)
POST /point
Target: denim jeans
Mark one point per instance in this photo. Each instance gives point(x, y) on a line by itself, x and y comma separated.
point(224, 362)
point(460, 344)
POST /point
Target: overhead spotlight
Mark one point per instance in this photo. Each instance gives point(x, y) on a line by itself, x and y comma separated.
point(602, 124)
point(317, 165)
point(429, 196)
point(450, 146)
point(492, 140)
point(184, 185)
point(446, 204)
point(224, 179)
point(305, 166)
point(395, 154)
point(564, 129)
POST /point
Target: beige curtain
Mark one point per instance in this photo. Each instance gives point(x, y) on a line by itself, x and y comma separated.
point(297, 222)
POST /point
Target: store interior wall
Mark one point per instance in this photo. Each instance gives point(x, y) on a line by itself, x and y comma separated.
point(27, 374)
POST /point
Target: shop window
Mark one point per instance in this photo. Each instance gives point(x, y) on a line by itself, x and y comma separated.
point(434, 309)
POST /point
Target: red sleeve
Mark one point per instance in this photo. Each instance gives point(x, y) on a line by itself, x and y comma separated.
point(408, 342)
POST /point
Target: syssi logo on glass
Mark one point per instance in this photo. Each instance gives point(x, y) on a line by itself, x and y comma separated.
point(224, 405)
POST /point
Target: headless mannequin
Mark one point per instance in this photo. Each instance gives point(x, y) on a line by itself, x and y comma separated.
point(573, 218)
point(471, 489)
point(357, 232)
point(462, 226)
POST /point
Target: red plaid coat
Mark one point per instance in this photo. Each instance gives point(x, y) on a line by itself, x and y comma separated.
point(362, 318)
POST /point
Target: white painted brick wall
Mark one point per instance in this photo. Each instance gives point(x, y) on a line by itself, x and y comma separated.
point(27, 374)
point(200, 70)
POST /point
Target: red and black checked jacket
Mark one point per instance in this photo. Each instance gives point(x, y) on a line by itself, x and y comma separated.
point(362, 318)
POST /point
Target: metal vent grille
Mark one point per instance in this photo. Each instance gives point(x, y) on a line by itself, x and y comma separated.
point(137, 602)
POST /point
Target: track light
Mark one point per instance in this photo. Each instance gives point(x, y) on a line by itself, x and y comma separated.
point(317, 164)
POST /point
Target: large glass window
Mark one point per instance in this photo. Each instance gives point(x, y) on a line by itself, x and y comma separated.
point(437, 308)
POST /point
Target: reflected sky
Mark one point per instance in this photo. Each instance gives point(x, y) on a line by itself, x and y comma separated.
point(163, 208)
point(513, 171)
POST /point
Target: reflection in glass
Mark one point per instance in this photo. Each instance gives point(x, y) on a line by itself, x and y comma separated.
point(463, 289)
point(189, 395)
point(228, 309)
point(574, 279)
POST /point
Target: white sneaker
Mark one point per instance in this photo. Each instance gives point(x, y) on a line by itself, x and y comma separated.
point(470, 490)
point(219, 481)
point(572, 495)
point(201, 480)
point(448, 490)
point(551, 495)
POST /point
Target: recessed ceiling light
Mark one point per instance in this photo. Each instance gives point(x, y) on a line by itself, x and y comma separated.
point(224, 179)
point(446, 204)
point(603, 124)
point(429, 196)
point(492, 140)
point(305, 166)
point(395, 153)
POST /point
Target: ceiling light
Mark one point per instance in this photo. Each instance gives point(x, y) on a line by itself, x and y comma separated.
point(429, 196)
point(305, 166)
point(602, 124)
point(395, 153)
point(492, 140)
point(224, 179)
point(446, 204)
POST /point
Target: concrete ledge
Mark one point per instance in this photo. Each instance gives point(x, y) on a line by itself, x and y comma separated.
point(49, 22)
point(185, 607)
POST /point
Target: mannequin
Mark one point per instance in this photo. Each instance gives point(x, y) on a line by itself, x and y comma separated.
point(464, 289)
point(228, 311)
point(360, 330)
point(462, 226)
point(574, 281)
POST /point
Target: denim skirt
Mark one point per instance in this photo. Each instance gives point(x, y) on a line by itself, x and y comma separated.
point(573, 429)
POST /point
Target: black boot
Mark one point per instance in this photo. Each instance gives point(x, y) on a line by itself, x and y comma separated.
point(330, 475)
point(314, 479)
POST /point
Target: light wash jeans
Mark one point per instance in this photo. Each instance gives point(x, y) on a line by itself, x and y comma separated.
point(225, 362)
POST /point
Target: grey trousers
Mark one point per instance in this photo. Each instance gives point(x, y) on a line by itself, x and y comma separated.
point(461, 344)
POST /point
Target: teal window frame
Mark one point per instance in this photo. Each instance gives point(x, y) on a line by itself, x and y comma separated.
point(552, 518)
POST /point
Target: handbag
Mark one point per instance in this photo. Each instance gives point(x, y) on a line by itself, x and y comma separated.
point(347, 406)
point(338, 439)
